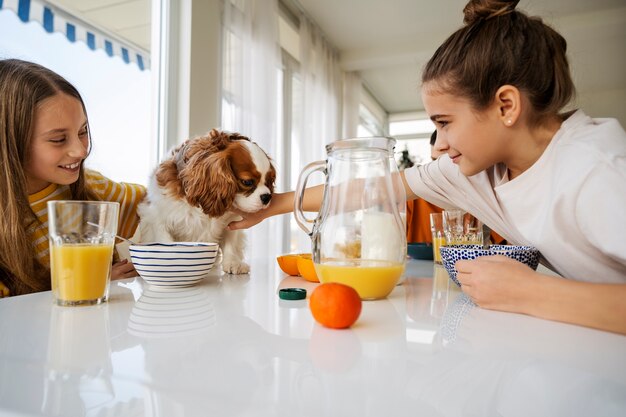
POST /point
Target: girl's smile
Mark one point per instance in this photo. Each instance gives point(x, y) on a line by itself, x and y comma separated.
point(75, 167)
point(455, 158)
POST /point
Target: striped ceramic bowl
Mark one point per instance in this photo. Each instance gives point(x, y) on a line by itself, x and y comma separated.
point(177, 264)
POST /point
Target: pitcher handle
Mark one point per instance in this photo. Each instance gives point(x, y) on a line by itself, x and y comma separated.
point(301, 219)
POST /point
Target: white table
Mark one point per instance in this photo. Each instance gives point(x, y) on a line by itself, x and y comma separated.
point(230, 347)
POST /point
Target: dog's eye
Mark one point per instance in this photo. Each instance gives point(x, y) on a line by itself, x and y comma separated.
point(247, 183)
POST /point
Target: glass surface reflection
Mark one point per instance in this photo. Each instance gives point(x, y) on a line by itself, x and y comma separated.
point(171, 312)
point(79, 361)
point(441, 291)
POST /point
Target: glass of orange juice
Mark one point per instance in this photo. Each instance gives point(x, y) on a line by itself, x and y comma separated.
point(82, 237)
point(439, 237)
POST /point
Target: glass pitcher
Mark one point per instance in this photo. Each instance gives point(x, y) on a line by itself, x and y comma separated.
point(398, 185)
point(358, 237)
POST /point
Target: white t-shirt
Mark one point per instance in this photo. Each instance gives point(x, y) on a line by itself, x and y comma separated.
point(570, 204)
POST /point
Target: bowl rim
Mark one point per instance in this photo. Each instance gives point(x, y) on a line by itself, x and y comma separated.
point(493, 247)
point(156, 245)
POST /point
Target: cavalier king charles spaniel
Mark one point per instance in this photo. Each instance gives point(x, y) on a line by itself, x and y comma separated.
point(194, 195)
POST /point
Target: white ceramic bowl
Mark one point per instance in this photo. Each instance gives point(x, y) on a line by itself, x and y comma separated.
point(177, 264)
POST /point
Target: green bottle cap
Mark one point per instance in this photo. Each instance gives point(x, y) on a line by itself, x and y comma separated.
point(292, 294)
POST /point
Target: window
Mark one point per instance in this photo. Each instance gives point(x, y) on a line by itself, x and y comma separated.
point(231, 64)
point(412, 132)
point(368, 123)
point(291, 98)
point(114, 81)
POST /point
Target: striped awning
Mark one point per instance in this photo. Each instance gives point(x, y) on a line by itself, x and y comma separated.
point(53, 19)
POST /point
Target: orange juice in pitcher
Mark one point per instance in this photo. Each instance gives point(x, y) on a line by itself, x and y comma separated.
point(371, 279)
point(358, 237)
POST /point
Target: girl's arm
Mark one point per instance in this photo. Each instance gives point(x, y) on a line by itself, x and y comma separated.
point(283, 203)
point(500, 283)
point(410, 195)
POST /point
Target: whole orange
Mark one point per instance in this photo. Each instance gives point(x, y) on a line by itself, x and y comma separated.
point(335, 305)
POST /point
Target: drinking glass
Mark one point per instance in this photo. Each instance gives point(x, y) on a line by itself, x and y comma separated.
point(461, 228)
point(439, 237)
point(82, 237)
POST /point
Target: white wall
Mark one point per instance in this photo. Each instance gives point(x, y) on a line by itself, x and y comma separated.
point(610, 103)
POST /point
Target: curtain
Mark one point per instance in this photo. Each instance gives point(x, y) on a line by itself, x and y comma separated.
point(319, 114)
point(251, 63)
point(351, 102)
point(251, 103)
point(322, 93)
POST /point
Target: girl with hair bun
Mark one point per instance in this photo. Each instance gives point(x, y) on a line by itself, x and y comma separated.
point(539, 175)
point(496, 90)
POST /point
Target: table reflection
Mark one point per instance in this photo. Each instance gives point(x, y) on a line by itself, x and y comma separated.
point(171, 312)
point(78, 360)
point(440, 295)
point(230, 346)
point(496, 363)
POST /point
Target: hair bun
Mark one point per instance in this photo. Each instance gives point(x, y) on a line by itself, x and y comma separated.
point(477, 10)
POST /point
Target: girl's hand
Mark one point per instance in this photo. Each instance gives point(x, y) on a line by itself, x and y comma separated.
point(248, 219)
point(501, 283)
point(497, 282)
point(123, 269)
point(281, 203)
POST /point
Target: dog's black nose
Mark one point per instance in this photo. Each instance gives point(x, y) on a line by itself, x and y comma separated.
point(265, 198)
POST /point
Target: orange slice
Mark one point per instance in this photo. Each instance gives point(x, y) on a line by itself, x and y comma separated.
point(306, 268)
point(289, 263)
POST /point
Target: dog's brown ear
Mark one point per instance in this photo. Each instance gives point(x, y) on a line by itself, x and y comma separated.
point(167, 177)
point(270, 178)
point(209, 183)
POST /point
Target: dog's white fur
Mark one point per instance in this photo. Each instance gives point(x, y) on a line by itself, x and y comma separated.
point(170, 214)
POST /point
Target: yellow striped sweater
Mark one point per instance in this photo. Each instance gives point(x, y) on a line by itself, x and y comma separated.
point(128, 195)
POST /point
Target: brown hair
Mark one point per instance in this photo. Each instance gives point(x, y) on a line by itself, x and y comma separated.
point(498, 46)
point(23, 86)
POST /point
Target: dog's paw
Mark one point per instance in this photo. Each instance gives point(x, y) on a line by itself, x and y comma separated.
point(233, 267)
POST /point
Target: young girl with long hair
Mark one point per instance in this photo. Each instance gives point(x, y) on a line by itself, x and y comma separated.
point(44, 141)
point(496, 89)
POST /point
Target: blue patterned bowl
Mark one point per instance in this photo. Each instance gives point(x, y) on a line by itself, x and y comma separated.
point(450, 254)
point(178, 264)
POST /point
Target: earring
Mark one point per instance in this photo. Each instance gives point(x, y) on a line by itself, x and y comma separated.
point(508, 122)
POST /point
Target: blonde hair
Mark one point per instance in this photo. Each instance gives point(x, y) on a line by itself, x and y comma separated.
point(23, 86)
point(498, 46)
